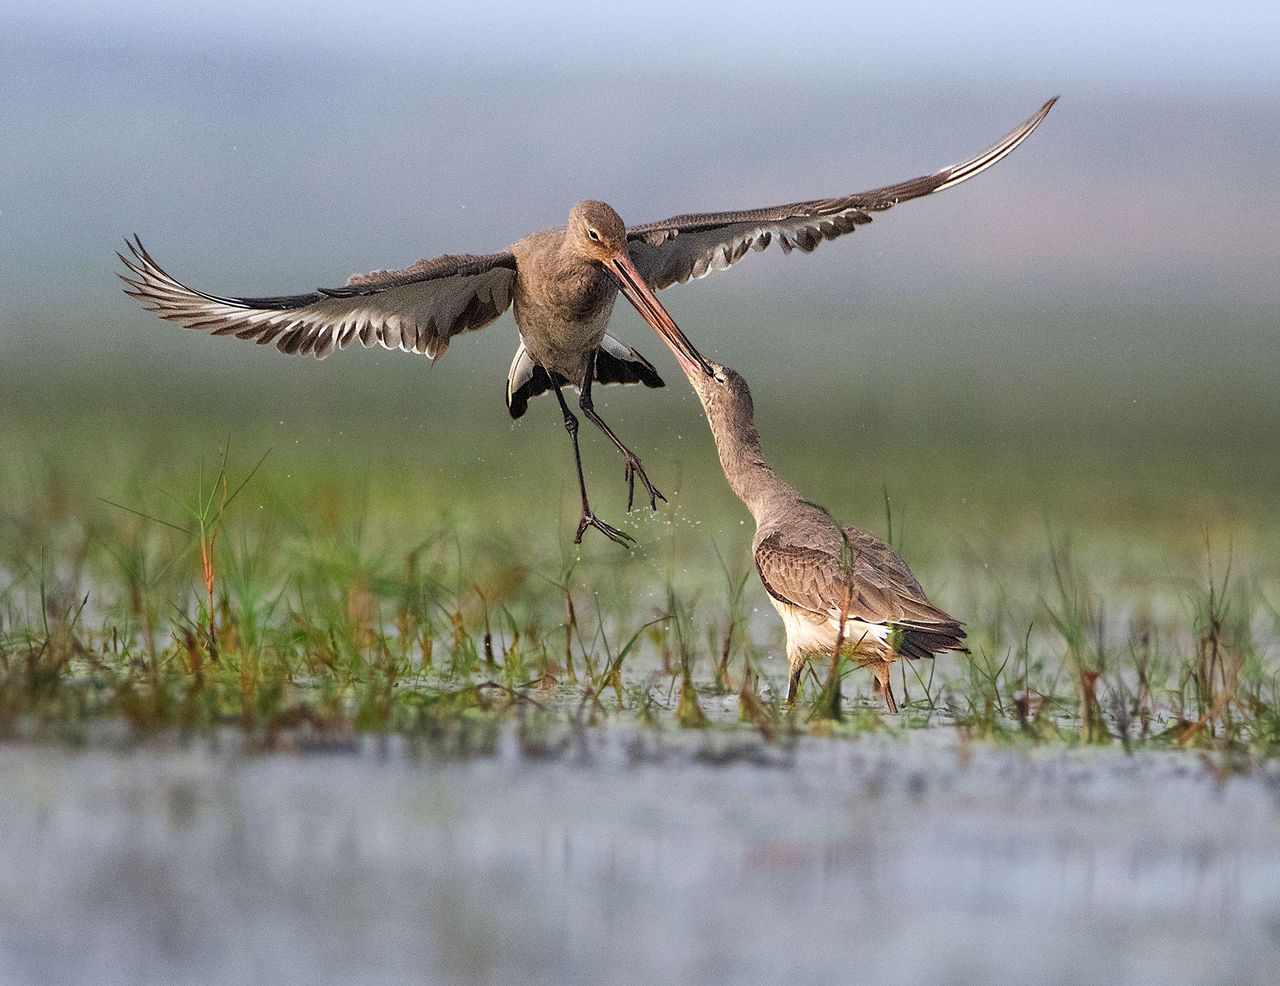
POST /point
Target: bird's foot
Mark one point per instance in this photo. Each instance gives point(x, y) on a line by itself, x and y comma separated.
point(608, 530)
point(634, 470)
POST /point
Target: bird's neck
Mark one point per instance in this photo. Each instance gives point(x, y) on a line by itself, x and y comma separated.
point(749, 474)
point(580, 283)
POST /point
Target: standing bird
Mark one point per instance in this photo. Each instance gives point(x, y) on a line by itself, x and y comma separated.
point(818, 573)
point(562, 284)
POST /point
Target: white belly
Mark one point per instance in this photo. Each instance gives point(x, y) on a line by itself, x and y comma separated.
point(808, 634)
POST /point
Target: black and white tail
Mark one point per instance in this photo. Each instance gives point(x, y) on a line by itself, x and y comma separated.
point(616, 362)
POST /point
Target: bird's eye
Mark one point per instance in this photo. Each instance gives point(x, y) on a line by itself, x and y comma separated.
point(593, 234)
point(719, 378)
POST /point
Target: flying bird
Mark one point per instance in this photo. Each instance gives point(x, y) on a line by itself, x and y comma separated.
point(561, 285)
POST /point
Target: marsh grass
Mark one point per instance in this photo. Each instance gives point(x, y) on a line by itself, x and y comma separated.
point(309, 606)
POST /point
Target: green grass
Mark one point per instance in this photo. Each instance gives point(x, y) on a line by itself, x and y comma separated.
point(176, 560)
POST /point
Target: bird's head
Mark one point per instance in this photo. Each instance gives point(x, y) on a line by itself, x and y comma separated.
point(598, 235)
point(596, 231)
point(725, 396)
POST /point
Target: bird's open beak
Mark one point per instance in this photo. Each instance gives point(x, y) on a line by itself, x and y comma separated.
point(648, 305)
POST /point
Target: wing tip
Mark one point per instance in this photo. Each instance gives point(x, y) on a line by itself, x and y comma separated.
point(1006, 145)
point(1038, 116)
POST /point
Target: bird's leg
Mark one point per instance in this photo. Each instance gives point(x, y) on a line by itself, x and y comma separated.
point(793, 686)
point(634, 468)
point(884, 685)
point(588, 518)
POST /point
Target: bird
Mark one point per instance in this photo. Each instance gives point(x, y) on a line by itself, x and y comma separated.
point(561, 285)
point(835, 586)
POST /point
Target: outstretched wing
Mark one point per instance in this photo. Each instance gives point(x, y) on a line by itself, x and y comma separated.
point(873, 590)
point(674, 250)
point(417, 310)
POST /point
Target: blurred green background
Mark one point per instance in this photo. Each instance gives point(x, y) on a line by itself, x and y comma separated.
point(1083, 340)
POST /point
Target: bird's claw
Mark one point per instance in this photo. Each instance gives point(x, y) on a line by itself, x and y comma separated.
point(608, 530)
point(634, 469)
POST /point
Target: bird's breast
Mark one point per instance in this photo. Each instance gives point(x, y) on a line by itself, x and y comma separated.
point(563, 319)
point(573, 294)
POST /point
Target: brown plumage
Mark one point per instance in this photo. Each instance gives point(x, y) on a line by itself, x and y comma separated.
point(675, 250)
point(562, 284)
point(819, 574)
point(416, 310)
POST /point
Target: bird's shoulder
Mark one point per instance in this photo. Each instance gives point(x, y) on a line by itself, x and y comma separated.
point(537, 243)
point(800, 565)
point(427, 269)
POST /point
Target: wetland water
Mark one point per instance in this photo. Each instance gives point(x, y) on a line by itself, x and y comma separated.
point(628, 856)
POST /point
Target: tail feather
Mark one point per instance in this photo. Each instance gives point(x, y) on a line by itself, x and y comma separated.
point(526, 380)
point(615, 363)
point(919, 643)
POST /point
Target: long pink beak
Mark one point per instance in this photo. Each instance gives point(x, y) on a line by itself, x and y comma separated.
point(648, 305)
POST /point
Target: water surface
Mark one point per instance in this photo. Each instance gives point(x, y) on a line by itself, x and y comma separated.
point(626, 857)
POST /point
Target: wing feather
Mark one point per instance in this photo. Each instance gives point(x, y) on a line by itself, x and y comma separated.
point(418, 309)
point(681, 248)
point(878, 586)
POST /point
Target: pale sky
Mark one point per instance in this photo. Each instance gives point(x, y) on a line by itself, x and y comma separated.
point(1193, 41)
point(265, 148)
